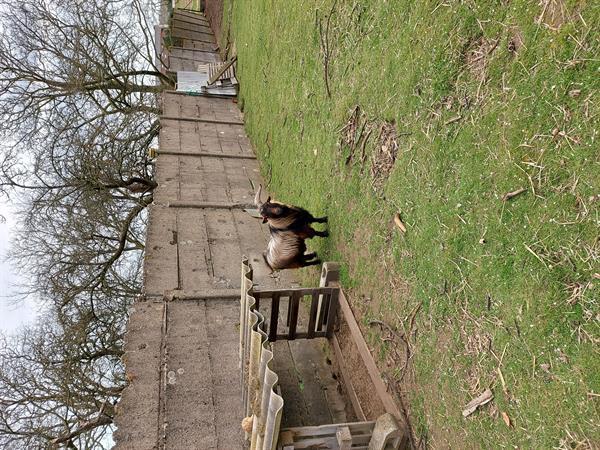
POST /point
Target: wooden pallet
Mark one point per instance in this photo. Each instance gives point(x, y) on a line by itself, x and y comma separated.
point(382, 434)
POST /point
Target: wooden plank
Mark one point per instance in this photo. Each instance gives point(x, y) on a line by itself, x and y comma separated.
point(178, 13)
point(346, 379)
point(192, 21)
point(294, 307)
point(344, 438)
point(365, 354)
point(323, 313)
point(274, 317)
point(330, 429)
point(312, 315)
point(177, 51)
point(302, 335)
point(290, 291)
point(193, 295)
point(190, 26)
point(221, 70)
point(332, 312)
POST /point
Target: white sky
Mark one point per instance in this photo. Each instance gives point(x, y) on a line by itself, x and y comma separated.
point(12, 314)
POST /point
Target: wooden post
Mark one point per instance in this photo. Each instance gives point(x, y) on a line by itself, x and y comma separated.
point(313, 316)
point(344, 438)
point(387, 434)
point(330, 275)
point(332, 312)
point(293, 315)
point(274, 317)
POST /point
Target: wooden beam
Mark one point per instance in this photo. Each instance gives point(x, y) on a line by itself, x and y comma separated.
point(289, 291)
point(199, 94)
point(302, 335)
point(344, 438)
point(274, 318)
point(192, 50)
point(312, 318)
point(221, 71)
point(294, 306)
point(332, 312)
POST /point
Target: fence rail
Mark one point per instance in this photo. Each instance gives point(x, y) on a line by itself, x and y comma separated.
point(316, 320)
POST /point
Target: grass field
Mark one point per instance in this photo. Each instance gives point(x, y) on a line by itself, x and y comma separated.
point(459, 104)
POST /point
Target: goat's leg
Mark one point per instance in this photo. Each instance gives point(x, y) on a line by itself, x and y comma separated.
point(322, 233)
point(310, 255)
point(314, 262)
point(320, 219)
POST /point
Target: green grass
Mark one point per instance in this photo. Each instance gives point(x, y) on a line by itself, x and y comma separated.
point(503, 306)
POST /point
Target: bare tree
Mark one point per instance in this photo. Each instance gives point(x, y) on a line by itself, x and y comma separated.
point(79, 107)
point(60, 381)
point(93, 59)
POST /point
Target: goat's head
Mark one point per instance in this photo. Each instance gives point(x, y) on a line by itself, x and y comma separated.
point(268, 210)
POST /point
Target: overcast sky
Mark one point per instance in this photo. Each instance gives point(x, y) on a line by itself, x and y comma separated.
point(11, 315)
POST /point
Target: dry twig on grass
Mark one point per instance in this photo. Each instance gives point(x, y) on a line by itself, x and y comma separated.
point(486, 397)
point(325, 46)
point(512, 194)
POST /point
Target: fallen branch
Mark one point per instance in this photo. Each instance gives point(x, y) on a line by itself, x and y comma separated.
point(486, 397)
point(325, 47)
point(512, 194)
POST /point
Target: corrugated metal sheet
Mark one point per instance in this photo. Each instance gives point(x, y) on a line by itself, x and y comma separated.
point(259, 381)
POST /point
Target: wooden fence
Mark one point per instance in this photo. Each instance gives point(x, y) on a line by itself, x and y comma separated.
point(261, 314)
point(322, 308)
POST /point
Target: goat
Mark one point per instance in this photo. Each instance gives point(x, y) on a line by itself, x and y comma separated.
point(289, 227)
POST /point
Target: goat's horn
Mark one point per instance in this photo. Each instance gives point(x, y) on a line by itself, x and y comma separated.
point(257, 201)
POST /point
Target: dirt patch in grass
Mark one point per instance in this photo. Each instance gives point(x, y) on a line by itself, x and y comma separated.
point(516, 41)
point(554, 14)
point(385, 153)
point(355, 136)
point(478, 55)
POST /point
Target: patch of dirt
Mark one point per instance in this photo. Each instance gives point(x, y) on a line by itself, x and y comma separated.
point(355, 135)
point(478, 55)
point(554, 14)
point(385, 154)
point(515, 42)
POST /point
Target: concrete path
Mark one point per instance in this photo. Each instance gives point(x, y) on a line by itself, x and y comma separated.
point(182, 339)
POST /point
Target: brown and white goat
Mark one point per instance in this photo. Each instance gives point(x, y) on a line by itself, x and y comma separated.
point(289, 227)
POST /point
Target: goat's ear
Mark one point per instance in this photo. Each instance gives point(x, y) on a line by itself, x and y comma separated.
point(268, 199)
